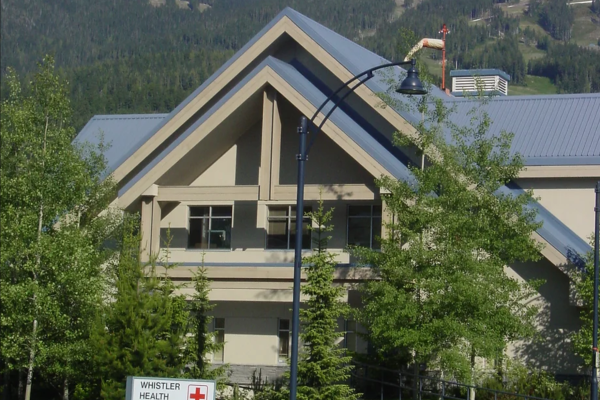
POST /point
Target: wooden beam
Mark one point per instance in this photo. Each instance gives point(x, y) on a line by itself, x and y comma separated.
point(203, 193)
point(561, 171)
point(264, 178)
point(328, 192)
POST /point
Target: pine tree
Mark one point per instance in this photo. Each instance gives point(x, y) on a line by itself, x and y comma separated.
point(323, 366)
point(202, 343)
point(144, 327)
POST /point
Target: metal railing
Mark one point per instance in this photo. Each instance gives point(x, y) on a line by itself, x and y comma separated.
point(386, 384)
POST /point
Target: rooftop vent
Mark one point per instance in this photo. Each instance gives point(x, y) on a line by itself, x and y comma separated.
point(470, 81)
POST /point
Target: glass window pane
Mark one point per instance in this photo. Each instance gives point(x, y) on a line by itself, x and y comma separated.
point(376, 233)
point(221, 211)
point(284, 345)
point(377, 211)
point(278, 211)
point(306, 242)
point(306, 210)
point(359, 232)
point(219, 323)
point(198, 236)
point(277, 235)
point(199, 211)
point(359, 211)
point(284, 324)
point(220, 233)
point(219, 355)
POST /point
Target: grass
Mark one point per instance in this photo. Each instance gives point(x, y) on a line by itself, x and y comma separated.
point(534, 85)
point(530, 52)
point(586, 28)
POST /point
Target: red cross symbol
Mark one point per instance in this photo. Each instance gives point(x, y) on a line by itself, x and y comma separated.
point(196, 395)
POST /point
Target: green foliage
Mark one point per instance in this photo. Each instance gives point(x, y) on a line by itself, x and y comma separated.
point(519, 379)
point(571, 68)
point(584, 287)
point(202, 342)
point(503, 54)
point(52, 235)
point(143, 329)
point(443, 294)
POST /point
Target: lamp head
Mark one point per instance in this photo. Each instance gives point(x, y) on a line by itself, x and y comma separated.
point(412, 84)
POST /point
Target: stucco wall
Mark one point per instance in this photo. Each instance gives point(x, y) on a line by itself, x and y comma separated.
point(570, 199)
point(556, 320)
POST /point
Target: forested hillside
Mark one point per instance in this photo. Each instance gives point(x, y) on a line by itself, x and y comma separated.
point(147, 55)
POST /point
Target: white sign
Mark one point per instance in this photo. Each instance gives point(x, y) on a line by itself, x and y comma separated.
point(139, 388)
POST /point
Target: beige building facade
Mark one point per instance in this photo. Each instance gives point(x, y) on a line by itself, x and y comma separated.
point(217, 177)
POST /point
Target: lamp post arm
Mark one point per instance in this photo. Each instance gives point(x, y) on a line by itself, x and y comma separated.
point(369, 75)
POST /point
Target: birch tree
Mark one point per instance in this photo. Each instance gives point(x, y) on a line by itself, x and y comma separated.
point(51, 233)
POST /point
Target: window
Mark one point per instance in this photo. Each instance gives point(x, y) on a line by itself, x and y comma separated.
point(219, 355)
point(281, 230)
point(364, 226)
point(284, 340)
point(350, 337)
point(210, 227)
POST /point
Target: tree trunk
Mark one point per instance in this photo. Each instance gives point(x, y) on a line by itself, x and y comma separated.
point(66, 389)
point(31, 361)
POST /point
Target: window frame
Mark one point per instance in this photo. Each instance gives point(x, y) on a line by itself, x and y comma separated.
point(370, 217)
point(209, 218)
point(289, 219)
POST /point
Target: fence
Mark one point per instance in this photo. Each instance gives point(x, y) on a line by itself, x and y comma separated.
point(386, 384)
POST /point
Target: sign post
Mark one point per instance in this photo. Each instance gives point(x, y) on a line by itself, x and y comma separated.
point(143, 388)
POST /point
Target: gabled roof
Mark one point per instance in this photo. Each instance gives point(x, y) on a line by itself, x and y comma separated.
point(128, 132)
point(549, 130)
point(123, 134)
point(301, 84)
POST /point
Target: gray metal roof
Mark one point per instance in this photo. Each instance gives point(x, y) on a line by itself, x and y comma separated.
point(549, 130)
point(480, 72)
point(122, 133)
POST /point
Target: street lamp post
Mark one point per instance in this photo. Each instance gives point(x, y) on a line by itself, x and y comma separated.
point(595, 361)
point(410, 85)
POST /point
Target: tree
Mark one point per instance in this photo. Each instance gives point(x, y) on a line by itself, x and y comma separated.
point(443, 295)
point(143, 329)
point(203, 342)
point(323, 366)
point(50, 262)
point(584, 287)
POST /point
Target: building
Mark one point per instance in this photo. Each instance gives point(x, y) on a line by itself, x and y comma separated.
point(219, 172)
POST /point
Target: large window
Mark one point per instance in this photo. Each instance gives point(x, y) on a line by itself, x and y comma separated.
point(281, 229)
point(219, 355)
point(364, 226)
point(283, 333)
point(350, 336)
point(210, 227)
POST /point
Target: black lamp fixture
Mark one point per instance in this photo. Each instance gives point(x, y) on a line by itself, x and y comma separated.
point(411, 84)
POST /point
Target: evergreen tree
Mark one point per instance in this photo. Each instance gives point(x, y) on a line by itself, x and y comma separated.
point(323, 366)
point(443, 294)
point(143, 329)
point(202, 344)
